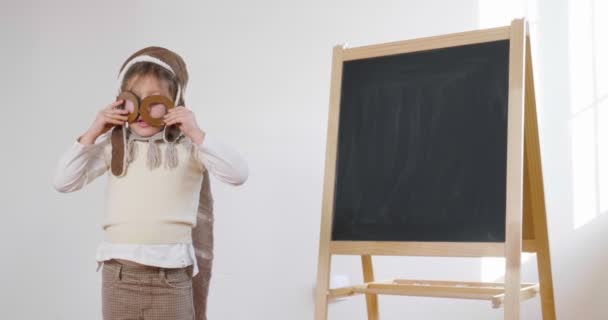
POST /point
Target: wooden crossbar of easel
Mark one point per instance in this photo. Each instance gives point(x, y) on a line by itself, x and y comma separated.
point(494, 292)
point(526, 221)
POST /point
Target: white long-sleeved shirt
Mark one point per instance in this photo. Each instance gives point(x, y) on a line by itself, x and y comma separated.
point(83, 163)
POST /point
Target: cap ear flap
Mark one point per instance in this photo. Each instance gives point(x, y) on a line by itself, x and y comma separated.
point(119, 154)
point(172, 133)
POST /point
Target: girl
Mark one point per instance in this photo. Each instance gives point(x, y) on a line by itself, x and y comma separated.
point(158, 212)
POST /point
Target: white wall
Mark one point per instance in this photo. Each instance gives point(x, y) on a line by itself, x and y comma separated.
point(260, 80)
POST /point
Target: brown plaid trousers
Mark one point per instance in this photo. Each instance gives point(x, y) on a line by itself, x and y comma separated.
point(132, 292)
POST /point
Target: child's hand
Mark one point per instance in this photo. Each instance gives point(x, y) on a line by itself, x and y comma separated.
point(106, 119)
point(187, 123)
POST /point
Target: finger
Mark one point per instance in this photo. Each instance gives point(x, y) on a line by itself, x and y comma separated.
point(178, 110)
point(116, 122)
point(115, 104)
point(174, 113)
point(118, 111)
point(175, 119)
point(118, 117)
point(114, 115)
point(172, 121)
point(169, 116)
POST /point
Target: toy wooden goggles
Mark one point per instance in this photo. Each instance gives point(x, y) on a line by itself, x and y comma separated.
point(151, 108)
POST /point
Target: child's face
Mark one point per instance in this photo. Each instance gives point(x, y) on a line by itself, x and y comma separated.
point(144, 86)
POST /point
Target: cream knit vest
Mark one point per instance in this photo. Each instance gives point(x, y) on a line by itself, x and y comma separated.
point(153, 206)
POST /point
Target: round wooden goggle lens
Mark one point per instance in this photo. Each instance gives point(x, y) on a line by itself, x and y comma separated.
point(153, 108)
point(131, 104)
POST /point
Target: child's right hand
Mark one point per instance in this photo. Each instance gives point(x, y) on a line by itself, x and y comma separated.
point(106, 119)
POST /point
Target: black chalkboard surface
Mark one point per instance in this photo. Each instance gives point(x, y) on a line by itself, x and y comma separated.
point(422, 143)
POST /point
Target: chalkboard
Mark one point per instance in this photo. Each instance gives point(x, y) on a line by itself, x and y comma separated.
point(422, 142)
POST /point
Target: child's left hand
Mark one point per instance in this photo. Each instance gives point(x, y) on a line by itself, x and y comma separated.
point(186, 123)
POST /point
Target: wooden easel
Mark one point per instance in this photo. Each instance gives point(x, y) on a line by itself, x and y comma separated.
point(526, 221)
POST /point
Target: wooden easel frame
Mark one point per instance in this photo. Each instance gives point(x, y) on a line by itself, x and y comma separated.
point(526, 221)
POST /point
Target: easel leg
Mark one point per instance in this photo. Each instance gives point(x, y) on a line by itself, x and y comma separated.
point(537, 194)
point(324, 268)
point(546, 285)
point(322, 294)
point(515, 170)
point(371, 299)
point(512, 288)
